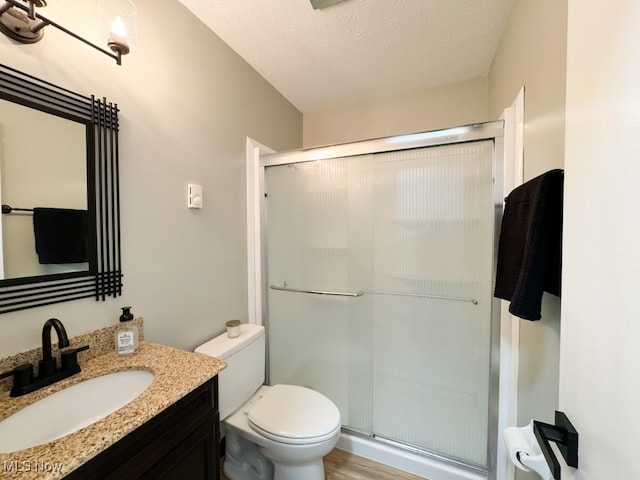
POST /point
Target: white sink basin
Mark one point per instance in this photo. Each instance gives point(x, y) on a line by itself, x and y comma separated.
point(71, 409)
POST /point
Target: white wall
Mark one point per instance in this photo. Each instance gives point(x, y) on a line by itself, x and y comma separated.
point(600, 357)
point(532, 52)
point(187, 103)
point(429, 109)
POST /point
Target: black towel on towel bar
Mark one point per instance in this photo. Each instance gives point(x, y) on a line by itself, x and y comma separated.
point(530, 246)
point(60, 235)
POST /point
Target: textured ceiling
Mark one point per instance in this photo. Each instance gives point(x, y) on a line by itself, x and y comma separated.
point(358, 50)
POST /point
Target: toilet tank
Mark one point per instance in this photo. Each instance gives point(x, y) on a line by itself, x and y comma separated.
point(245, 358)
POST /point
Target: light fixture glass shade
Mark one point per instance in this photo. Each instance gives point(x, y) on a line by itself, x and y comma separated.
point(118, 22)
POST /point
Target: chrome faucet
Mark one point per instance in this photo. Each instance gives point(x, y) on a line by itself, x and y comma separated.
point(48, 373)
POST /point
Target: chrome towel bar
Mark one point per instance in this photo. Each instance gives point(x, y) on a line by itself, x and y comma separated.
point(359, 293)
point(317, 292)
point(428, 295)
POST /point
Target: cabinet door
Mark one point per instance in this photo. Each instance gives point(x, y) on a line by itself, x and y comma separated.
point(192, 459)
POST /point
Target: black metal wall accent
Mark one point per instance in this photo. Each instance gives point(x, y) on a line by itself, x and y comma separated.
point(105, 119)
point(104, 277)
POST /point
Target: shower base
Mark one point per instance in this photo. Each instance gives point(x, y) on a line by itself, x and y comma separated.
point(427, 466)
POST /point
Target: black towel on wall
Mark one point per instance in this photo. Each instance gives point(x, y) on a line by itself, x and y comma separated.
point(60, 234)
point(530, 246)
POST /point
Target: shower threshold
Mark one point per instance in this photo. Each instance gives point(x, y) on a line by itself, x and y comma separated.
point(409, 458)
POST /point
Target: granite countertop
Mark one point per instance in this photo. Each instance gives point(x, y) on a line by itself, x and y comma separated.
point(176, 373)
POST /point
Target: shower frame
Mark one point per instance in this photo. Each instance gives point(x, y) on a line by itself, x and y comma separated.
point(493, 131)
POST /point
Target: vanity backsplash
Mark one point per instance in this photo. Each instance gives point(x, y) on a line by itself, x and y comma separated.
point(100, 341)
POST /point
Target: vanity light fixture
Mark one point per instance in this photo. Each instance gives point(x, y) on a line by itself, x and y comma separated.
point(20, 21)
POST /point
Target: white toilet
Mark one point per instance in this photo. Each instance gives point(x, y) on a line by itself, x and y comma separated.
point(279, 432)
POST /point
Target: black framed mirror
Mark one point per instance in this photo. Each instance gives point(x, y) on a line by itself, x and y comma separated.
point(66, 244)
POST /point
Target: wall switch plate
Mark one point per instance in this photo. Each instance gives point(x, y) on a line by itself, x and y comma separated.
point(194, 196)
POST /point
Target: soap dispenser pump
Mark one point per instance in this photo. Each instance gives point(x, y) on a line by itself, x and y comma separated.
point(126, 333)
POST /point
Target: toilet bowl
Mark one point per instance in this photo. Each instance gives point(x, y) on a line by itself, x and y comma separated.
point(293, 427)
point(278, 432)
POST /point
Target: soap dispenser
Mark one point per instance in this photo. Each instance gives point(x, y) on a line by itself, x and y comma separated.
point(126, 333)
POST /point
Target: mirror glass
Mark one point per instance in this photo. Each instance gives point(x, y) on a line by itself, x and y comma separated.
point(43, 165)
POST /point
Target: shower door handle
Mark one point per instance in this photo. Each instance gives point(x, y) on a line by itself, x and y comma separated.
point(318, 292)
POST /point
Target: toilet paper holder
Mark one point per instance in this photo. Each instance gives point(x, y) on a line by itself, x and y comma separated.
point(566, 438)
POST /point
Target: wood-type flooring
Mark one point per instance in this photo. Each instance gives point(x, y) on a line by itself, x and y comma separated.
point(341, 465)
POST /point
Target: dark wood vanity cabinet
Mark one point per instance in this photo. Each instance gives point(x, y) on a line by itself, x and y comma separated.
point(181, 442)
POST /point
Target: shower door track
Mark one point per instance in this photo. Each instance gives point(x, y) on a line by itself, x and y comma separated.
point(463, 134)
point(427, 453)
point(414, 449)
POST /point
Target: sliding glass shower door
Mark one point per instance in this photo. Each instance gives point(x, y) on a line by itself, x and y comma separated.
point(379, 272)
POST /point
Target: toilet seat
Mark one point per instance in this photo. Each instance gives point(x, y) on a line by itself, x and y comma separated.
point(294, 415)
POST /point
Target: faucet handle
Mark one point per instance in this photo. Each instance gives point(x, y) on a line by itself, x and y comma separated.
point(22, 375)
point(69, 358)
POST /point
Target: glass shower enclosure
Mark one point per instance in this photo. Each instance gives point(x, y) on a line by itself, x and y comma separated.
point(378, 267)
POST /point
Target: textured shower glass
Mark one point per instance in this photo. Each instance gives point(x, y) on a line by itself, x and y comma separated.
point(409, 359)
point(433, 235)
point(321, 341)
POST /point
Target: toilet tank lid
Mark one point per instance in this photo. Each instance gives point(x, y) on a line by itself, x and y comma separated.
point(222, 346)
